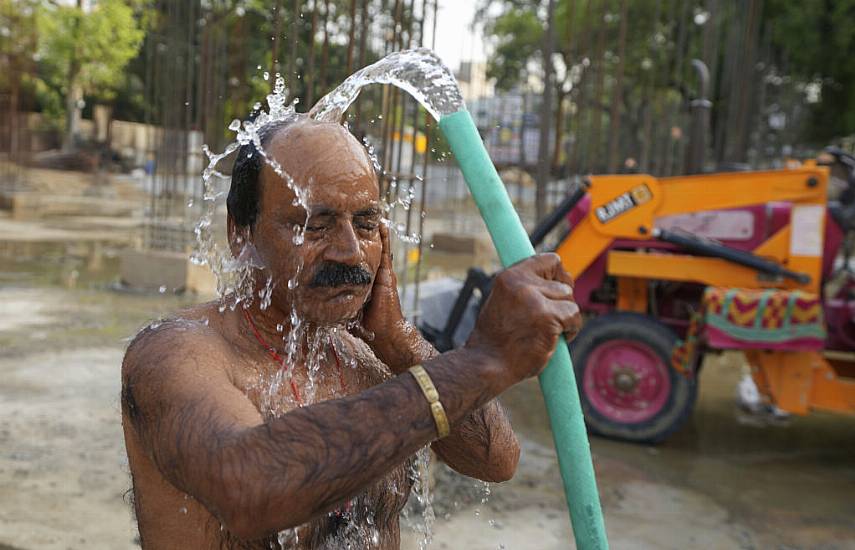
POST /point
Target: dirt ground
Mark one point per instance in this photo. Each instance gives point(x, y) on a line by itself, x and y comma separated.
point(722, 482)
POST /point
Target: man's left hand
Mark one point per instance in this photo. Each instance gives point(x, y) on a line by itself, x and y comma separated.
point(383, 327)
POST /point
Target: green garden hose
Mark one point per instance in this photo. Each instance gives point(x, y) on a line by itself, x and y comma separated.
point(557, 381)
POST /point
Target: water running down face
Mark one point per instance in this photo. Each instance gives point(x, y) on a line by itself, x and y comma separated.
point(338, 259)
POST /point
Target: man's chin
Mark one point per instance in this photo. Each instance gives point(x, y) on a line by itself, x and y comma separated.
point(334, 307)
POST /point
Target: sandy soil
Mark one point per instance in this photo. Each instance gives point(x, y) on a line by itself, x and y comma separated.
point(720, 483)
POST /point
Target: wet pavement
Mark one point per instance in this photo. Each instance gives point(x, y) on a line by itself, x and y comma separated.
point(725, 481)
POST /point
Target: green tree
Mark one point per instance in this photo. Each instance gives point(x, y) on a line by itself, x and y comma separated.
point(517, 35)
point(590, 36)
point(84, 50)
point(817, 39)
point(626, 82)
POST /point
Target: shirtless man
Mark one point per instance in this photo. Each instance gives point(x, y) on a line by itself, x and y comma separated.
point(232, 447)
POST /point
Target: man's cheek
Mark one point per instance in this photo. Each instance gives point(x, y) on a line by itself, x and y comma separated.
point(296, 263)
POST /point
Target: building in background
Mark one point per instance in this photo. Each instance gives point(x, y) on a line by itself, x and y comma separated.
point(509, 124)
point(474, 84)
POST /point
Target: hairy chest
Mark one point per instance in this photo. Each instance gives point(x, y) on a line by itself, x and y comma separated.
point(370, 520)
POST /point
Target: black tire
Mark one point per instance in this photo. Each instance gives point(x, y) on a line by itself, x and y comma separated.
point(654, 339)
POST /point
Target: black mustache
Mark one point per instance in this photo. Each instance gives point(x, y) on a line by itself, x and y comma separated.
point(332, 274)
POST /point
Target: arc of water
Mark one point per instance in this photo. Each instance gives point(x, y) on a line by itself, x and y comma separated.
point(422, 74)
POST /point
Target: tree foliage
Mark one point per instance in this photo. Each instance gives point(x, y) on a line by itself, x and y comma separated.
point(803, 50)
point(101, 40)
point(517, 34)
point(818, 40)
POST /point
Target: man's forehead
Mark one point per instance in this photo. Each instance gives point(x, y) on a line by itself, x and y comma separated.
point(326, 161)
point(308, 144)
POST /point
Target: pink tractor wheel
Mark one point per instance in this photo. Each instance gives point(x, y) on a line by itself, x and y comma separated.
point(628, 387)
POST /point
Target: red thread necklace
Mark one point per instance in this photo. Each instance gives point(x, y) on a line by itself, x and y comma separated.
point(279, 360)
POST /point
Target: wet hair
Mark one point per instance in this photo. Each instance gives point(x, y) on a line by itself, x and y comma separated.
point(242, 202)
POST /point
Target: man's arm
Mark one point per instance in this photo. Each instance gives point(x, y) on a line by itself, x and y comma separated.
point(483, 444)
point(208, 439)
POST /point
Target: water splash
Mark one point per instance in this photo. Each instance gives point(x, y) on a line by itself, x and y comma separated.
point(424, 498)
point(419, 72)
point(265, 295)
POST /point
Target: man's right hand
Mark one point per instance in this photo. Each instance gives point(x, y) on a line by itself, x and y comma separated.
point(530, 305)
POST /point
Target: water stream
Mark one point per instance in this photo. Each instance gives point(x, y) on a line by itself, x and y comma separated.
point(418, 72)
point(421, 74)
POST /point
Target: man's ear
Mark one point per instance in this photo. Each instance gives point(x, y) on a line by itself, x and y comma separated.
point(238, 236)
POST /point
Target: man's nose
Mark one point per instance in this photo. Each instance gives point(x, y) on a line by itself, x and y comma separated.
point(344, 246)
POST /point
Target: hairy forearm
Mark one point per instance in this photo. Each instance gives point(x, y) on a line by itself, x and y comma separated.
point(302, 464)
point(483, 445)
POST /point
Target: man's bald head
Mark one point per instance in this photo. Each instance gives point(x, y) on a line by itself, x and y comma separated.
point(300, 143)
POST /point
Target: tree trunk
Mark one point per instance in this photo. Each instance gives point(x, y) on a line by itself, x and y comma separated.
point(14, 115)
point(559, 124)
point(363, 38)
point(75, 92)
point(350, 37)
point(310, 67)
point(363, 33)
point(648, 87)
point(523, 159)
point(292, 59)
point(617, 93)
point(325, 50)
point(238, 62)
point(596, 112)
point(277, 33)
point(543, 172)
point(72, 109)
point(568, 54)
point(743, 91)
point(581, 93)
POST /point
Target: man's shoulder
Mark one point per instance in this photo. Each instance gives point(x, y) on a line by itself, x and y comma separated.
point(189, 336)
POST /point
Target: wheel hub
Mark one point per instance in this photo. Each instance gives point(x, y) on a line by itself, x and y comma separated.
point(624, 379)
